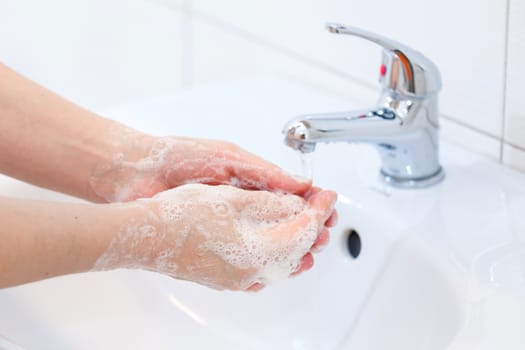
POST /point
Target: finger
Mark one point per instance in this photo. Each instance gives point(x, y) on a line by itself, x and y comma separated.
point(268, 206)
point(193, 172)
point(332, 220)
point(255, 287)
point(323, 203)
point(306, 264)
point(320, 206)
point(321, 241)
point(264, 175)
point(312, 191)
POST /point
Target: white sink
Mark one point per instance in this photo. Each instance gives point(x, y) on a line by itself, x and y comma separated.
point(440, 268)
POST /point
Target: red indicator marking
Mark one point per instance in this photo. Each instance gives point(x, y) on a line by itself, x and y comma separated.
point(382, 70)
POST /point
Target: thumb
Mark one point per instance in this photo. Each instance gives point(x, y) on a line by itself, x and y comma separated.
point(323, 203)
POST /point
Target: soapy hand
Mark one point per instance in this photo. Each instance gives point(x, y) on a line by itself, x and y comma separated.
point(221, 236)
point(145, 166)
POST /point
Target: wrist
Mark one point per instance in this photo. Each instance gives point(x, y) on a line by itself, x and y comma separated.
point(120, 174)
point(60, 238)
point(96, 226)
point(129, 236)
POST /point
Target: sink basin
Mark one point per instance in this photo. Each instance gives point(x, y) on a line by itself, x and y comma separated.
point(439, 268)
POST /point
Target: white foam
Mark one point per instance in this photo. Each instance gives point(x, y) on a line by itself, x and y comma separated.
point(220, 236)
point(194, 161)
point(255, 243)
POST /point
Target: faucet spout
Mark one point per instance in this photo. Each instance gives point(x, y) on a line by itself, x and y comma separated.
point(405, 133)
point(404, 125)
point(378, 125)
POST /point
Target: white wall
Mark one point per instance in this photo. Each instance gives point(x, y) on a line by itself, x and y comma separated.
point(478, 45)
point(105, 52)
point(95, 52)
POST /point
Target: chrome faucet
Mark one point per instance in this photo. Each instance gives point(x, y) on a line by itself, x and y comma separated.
point(404, 126)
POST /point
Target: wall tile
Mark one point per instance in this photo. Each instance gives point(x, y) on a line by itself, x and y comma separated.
point(219, 55)
point(454, 34)
point(470, 139)
point(514, 157)
point(96, 52)
point(515, 112)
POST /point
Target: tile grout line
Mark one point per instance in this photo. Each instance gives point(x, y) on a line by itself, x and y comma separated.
point(519, 148)
point(185, 9)
point(187, 43)
point(256, 39)
point(505, 78)
point(470, 127)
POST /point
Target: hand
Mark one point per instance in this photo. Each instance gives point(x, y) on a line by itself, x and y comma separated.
point(222, 236)
point(147, 165)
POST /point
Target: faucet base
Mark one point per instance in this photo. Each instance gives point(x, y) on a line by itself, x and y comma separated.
point(408, 183)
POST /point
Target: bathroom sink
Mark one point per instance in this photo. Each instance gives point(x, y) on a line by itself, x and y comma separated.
point(439, 268)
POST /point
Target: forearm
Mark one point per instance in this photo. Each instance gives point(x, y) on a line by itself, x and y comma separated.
point(41, 239)
point(50, 142)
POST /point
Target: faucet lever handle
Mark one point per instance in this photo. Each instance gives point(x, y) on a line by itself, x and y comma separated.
point(404, 69)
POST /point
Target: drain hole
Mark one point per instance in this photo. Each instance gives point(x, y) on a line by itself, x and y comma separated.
point(353, 243)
